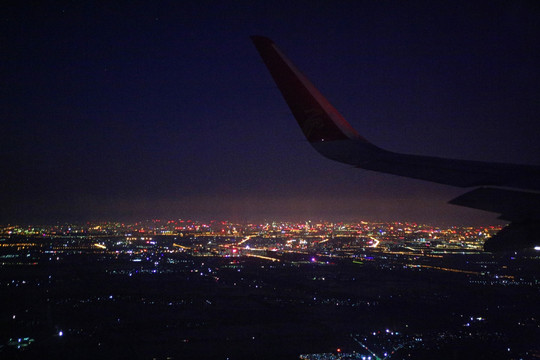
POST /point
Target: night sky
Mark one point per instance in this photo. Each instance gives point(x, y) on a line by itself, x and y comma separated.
point(137, 111)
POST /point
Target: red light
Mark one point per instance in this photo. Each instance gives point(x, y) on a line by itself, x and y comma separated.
point(338, 350)
point(234, 251)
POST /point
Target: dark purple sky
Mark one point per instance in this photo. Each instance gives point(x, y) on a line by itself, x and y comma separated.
point(134, 111)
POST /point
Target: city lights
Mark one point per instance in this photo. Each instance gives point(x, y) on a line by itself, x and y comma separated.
point(194, 273)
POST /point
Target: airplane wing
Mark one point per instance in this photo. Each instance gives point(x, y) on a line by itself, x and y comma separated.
point(333, 137)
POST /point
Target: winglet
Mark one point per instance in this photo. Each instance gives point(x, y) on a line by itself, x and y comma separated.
point(317, 118)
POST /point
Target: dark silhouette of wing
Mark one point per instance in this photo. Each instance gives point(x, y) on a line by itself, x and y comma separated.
point(332, 136)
